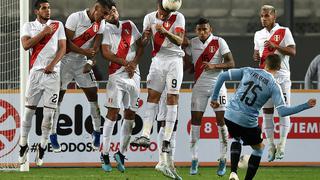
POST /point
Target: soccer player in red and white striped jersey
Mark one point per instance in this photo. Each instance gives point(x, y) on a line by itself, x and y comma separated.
point(46, 40)
point(122, 47)
point(275, 39)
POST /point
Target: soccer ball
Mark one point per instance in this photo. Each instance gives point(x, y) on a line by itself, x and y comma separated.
point(171, 5)
point(243, 162)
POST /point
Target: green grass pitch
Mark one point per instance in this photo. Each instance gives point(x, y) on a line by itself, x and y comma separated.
point(264, 173)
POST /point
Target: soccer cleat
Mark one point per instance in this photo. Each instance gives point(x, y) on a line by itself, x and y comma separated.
point(105, 163)
point(96, 140)
point(194, 167)
point(166, 171)
point(233, 176)
point(39, 155)
point(279, 152)
point(159, 166)
point(23, 154)
point(271, 153)
point(166, 147)
point(141, 141)
point(222, 168)
point(175, 173)
point(54, 143)
point(119, 158)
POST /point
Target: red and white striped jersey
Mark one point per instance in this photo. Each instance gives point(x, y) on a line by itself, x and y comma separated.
point(162, 46)
point(84, 32)
point(279, 35)
point(45, 51)
point(122, 42)
point(212, 51)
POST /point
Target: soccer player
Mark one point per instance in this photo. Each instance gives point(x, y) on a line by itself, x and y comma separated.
point(46, 40)
point(274, 38)
point(122, 46)
point(210, 55)
point(84, 33)
point(166, 70)
point(241, 115)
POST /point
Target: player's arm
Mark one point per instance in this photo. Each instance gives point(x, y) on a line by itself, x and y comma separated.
point(232, 74)
point(132, 65)
point(109, 55)
point(289, 50)
point(96, 47)
point(90, 52)
point(283, 110)
point(228, 63)
point(311, 72)
point(28, 42)
point(62, 46)
point(256, 55)
point(187, 59)
point(176, 38)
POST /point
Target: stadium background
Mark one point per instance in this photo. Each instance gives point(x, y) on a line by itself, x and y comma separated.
point(234, 20)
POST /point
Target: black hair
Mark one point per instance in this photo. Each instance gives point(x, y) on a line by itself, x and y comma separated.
point(38, 2)
point(106, 3)
point(203, 21)
point(273, 61)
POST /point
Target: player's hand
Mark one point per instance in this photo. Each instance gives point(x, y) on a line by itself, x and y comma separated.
point(90, 52)
point(49, 29)
point(207, 66)
point(86, 68)
point(160, 28)
point(312, 102)
point(214, 104)
point(256, 57)
point(146, 34)
point(130, 68)
point(48, 69)
point(270, 45)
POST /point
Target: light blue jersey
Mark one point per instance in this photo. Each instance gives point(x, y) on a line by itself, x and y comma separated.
point(256, 87)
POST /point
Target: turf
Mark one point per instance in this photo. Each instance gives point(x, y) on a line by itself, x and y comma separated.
point(264, 173)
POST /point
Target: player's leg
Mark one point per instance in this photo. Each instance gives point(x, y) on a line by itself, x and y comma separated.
point(114, 99)
point(87, 82)
point(268, 126)
point(284, 122)
point(51, 87)
point(161, 118)
point(173, 85)
point(253, 137)
point(131, 105)
point(196, 117)
point(33, 95)
point(66, 76)
point(156, 84)
point(222, 131)
point(235, 148)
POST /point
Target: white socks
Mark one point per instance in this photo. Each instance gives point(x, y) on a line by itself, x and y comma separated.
point(26, 125)
point(151, 112)
point(55, 119)
point(46, 125)
point(268, 126)
point(223, 138)
point(194, 138)
point(95, 116)
point(160, 139)
point(172, 111)
point(284, 129)
point(125, 134)
point(107, 134)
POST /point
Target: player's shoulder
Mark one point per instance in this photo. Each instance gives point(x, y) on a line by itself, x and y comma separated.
point(57, 22)
point(128, 21)
point(151, 15)
point(178, 14)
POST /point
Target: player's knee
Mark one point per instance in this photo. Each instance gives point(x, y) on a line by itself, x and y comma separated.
point(172, 99)
point(268, 110)
point(113, 113)
point(128, 114)
point(153, 96)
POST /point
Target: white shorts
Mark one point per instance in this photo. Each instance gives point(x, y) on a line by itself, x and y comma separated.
point(164, 73)
point(162, 114)
point(43, 85)
point(73, 69)
point(121, 91)
point(201, 95)
point(285, 84)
